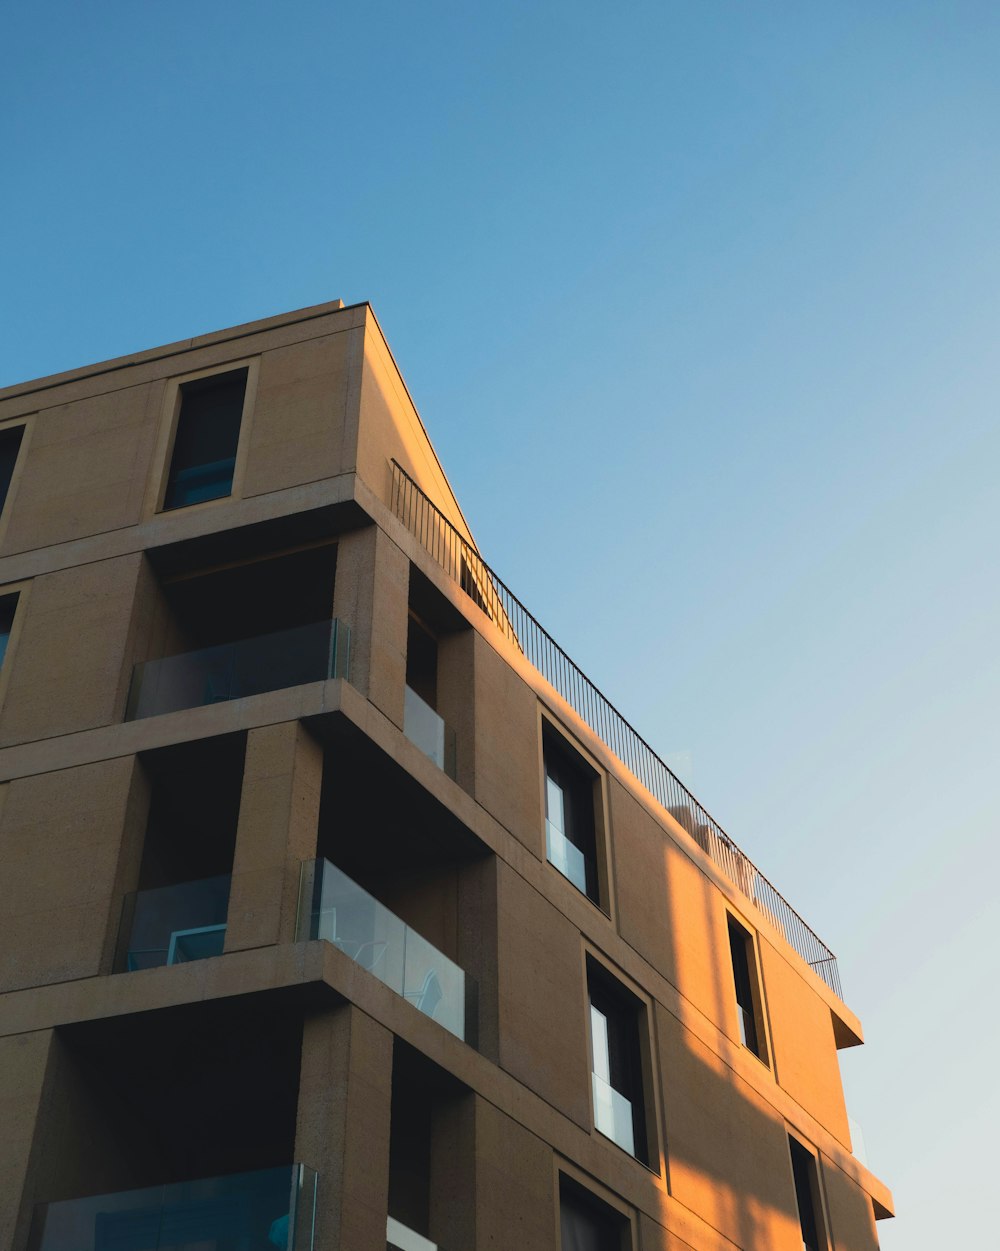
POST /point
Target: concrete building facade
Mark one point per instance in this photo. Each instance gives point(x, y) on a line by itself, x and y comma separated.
point(337, 909)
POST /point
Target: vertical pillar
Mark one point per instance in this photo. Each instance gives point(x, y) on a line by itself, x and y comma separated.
point(345, 1097)
point(492, 1181)
point(277, 830)
point(24, 1060)
point(371, 596)
point(456, 701)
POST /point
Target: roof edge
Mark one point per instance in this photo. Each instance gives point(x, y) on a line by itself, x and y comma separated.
point(238, 331)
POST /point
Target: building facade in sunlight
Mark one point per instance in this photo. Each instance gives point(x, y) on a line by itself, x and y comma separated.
point(338, 909)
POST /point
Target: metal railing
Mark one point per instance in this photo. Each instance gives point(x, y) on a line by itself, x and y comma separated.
point(461, 561)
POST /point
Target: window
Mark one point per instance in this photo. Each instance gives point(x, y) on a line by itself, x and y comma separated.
point(422, 724)
point(421, 661)
point(208, 431)
point(10, 445)
point(619, 1105)
point(807, 1198)
point(587, 1224)
point(748, 1000)
point(570, 833)
point(8, 607)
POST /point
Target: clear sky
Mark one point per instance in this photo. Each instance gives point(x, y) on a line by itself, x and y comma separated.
point(699, 303)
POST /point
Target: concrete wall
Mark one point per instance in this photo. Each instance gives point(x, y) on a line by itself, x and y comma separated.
point(61, 837)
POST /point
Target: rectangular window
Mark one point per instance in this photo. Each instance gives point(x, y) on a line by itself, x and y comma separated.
point(619, 1103)
point(8, 608)
point(10, 445)
point(587, 1224)
point(807, 1197)
point(208, 432)
point(570, 832)
point(747, 983)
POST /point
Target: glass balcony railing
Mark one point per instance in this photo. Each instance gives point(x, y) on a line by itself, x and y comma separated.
point(270, 662)
point(858, 1148)
point(565, 856)
point(173, 924)
point(399, 1238)
point(613, 1115)
point(270, 1210)
point(426, 730)
point(335, 908)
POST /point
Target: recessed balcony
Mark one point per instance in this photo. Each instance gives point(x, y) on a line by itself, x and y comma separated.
point(427, 730)
point(212, 675)
point(334, 907)
point(173, 924)
point(268, 1210)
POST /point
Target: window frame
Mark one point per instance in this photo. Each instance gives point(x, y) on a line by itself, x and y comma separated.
point(169, 418)
point(550, 728)
point(22, 591)
point(566, 1173)
point(816, 1189)
point(758, 999)
point(614, 985)
point(26, 423)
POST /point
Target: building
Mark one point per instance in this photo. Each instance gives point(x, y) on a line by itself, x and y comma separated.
point(337, 908)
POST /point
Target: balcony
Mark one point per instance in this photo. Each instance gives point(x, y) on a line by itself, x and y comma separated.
point(173, 924)
point(269, 1210)
point(212, 675)
point(337, 909)
point(428, 731)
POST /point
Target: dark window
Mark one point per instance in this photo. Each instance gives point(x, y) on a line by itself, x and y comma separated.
point(587, 1224)
point(570, 836)
point(208, 431)
point(619, 1104)
point(806, 1195)
point(8, 607)
point(421, 662)
point(745, 978)
point(10, 445)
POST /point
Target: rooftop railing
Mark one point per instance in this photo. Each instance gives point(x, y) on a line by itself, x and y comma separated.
point(460, 560)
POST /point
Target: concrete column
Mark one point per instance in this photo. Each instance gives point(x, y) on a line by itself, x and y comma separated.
point(477, 948)
point(277, 830)
point(23, 1062)
point(371, 596)
point(515, 1184)
point(345, 1097)
point(456, 700)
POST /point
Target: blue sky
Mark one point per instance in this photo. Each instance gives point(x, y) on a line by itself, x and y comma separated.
point(700, 306)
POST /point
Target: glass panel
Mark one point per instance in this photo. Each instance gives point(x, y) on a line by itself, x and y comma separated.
point(334, 907)
point(399, 1238)
point(270, 662)
point(599, 1043)
point(173, 924)
point(858, 1148)
point(565, 856)
point(426, 730)
point(613, 1115)
point(270, 1210)
point(211, 481)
